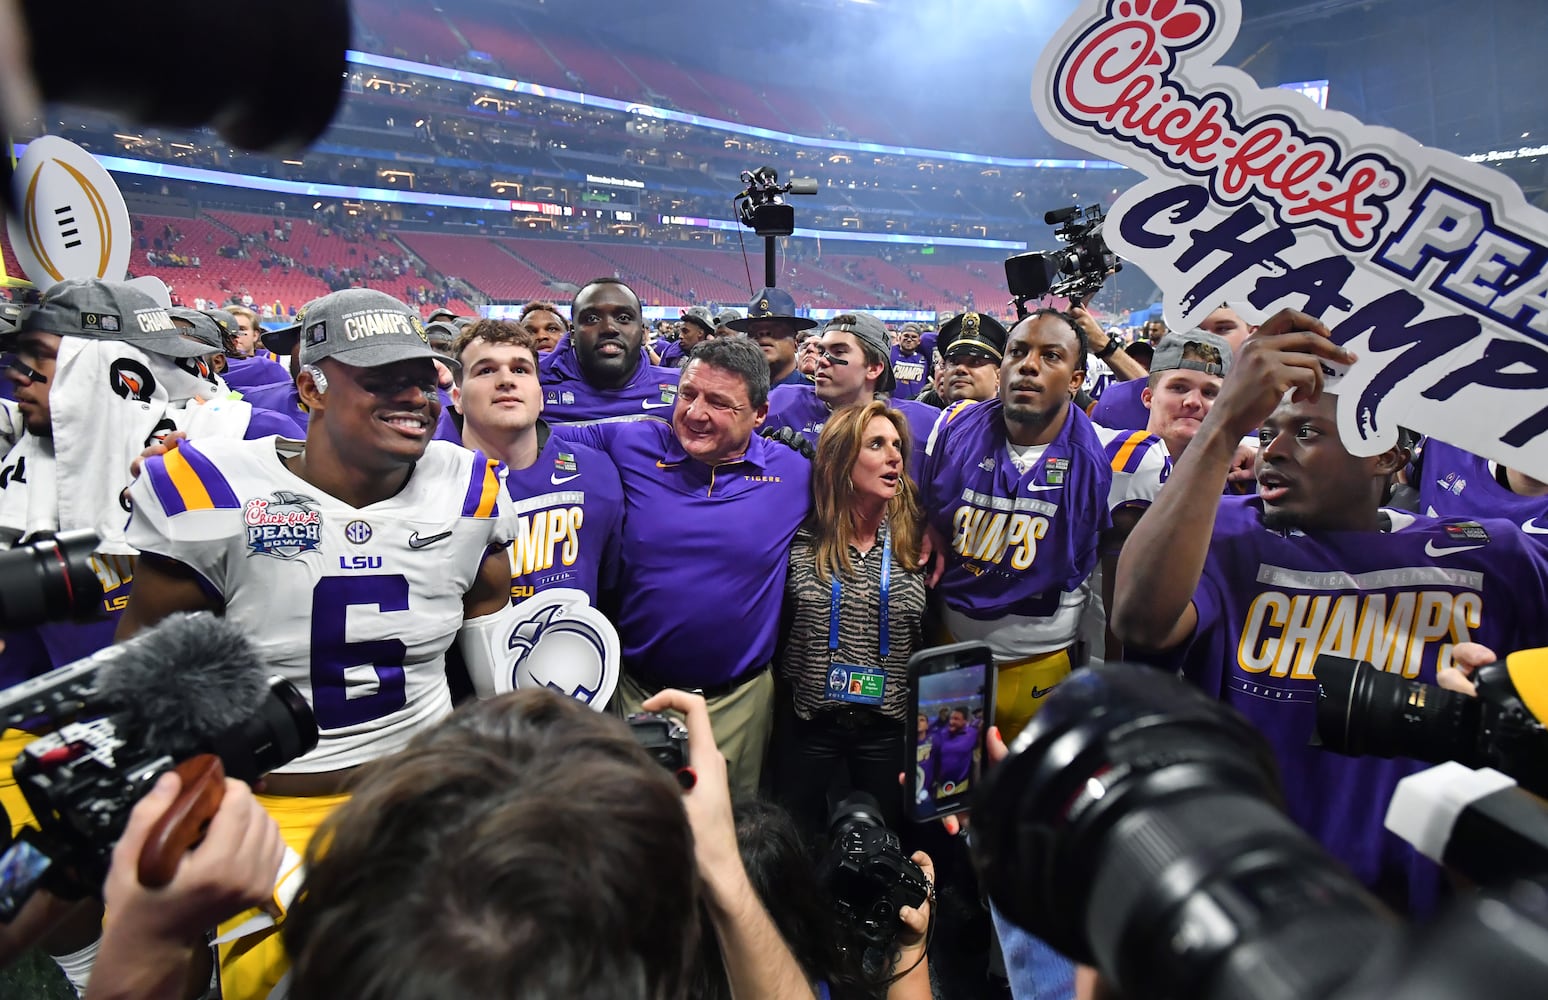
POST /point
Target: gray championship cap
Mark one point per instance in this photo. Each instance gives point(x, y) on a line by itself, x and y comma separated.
point(701, 317)
point(110, 310)
point(364, 328)
point(1170, 349)
point(869, 331)
point(205, 328)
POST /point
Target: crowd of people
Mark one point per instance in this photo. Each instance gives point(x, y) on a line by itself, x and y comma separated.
point(751, 500)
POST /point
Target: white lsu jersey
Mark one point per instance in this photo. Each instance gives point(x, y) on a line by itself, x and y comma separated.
point(354, 606)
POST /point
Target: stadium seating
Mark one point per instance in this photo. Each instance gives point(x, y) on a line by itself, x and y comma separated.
point(481, 263)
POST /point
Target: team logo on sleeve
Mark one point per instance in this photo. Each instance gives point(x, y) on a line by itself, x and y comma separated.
point(283, 526)
point(131, 380)
point(563, 643)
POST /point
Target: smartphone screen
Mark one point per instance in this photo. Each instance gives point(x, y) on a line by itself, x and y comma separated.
point(952, 694)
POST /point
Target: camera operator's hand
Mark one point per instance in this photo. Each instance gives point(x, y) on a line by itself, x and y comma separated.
point(1466, 657)
point(708, 802)
point(911, 968)
point(151, 936)
point(758, 962)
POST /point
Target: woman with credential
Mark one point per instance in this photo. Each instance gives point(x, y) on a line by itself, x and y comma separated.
point(854, 607)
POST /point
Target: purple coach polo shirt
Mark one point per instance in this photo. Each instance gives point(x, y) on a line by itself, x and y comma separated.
point(704, 553)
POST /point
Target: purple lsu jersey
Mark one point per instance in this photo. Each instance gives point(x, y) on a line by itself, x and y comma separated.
point(1269, 602)
point(797, 407)
point(569, 515)
point(282, 399)
point(1018, 541)
point(568, 398)
point(912, 372)
point(1121, 406)
point(1457, 483)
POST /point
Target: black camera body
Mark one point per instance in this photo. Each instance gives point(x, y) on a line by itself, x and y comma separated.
point(666, 740)
point(870, 879)
point(1075, 272)
point(1362, 710)
point(762, 205)
point(99, 755)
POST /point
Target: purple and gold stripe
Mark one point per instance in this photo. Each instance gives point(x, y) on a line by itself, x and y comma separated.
point(185, 480)
point(1129, 452)
point(483, 487)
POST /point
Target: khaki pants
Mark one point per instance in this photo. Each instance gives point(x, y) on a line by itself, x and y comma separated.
point(742, 721)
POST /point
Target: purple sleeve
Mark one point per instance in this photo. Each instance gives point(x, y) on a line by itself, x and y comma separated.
point(266, 423)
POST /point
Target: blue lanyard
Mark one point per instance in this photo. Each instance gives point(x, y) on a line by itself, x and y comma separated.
point(886, 588)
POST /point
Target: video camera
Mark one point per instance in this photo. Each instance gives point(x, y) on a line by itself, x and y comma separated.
point(1076, 272)
point(1137, 826)
point(114, 723)
point(761, 206)
point(870, 879)
point(1365, 711)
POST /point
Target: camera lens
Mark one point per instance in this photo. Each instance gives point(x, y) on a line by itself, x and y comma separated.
point(96, 60)
point(282, 729)
point(49, 580)
point(1138, 827)
point(1365, 711)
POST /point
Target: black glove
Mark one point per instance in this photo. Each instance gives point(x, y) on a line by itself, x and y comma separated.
point(790, 438)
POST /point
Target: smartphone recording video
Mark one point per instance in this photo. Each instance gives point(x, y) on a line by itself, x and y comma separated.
point(951, 689)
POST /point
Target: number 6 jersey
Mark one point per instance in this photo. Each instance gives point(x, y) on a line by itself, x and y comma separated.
point(355, 606)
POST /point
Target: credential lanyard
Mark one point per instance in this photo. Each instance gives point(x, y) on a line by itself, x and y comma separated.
point(886, 587)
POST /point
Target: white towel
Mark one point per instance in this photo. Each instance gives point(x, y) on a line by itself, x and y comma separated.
point(108, 401)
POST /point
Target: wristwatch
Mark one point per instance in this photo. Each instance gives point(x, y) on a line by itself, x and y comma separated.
point(1107, 352)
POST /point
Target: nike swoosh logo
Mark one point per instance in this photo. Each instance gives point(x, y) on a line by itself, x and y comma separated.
point(1533, 528)
point(648, 405)
point(561, 480)
point(1038, 692)
point(415, 542)
point(1431, 550)
point(1040, 489)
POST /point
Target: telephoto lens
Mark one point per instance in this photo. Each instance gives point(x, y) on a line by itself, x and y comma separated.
point(1138, 826)
point(49, 580)
point(1365, 711)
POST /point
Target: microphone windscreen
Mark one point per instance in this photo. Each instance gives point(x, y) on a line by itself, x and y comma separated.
point(184, 681)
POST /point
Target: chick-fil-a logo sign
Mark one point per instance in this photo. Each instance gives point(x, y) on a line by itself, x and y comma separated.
point(1119, 79)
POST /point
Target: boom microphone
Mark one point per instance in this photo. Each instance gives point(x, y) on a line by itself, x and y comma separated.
point(1060, 216)
point(189, 694)
point(802, 185)
point(187, 680)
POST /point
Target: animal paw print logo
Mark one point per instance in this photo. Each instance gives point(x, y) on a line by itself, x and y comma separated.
point(1148, 28)
point(1174, 21)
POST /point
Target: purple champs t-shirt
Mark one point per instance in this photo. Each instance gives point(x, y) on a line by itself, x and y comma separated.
point(1269, 602)
point(568, 398)
point(281, 399)
point(687, 527)
point(1121, 407)
point(797, 407)
point(912, 372)
point(1016, 541)
point(569, 506)
point(1457, 483)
